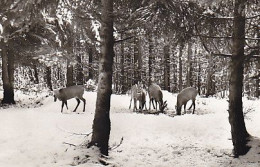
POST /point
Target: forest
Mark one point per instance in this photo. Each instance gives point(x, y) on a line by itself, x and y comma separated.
point(114, 48)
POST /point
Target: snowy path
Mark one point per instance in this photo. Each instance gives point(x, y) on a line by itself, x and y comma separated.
point(36, 136)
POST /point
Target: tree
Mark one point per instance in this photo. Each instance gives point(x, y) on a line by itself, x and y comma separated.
point(236, 117)
point(7, 73)
point(101, 123)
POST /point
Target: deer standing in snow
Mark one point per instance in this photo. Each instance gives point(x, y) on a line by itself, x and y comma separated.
point(138, 94)
point(67, 93)
point(155, 94)
point(183, 97)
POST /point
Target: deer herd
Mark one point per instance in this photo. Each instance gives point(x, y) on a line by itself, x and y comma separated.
point(138, 94)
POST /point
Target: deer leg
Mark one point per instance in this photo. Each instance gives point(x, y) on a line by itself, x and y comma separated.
point(193, 102)
point(185, 108)
point(191, 105)
point(130, 102)
point(156, 105)
point(84, 101)
point(77, 104)
point(145, 105)
point(150, 104)
point(141, 106)
point(153, 103)
point(66, 104)
point(62, 105)
point(135, 108)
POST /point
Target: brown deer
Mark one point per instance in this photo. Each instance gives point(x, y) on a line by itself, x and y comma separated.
point(183, 97)
point(155, 94)
point(138, 94)
point(65, 94)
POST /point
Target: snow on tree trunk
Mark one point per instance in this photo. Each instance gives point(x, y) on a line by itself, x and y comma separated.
point(101, 124)
point(236, 117)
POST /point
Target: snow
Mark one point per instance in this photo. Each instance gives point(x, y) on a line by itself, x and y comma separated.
point(42, 136)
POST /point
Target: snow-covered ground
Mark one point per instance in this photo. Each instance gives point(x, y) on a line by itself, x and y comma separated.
point(42, 136)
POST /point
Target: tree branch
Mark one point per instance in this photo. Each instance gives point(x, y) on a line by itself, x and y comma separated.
point(121, 40)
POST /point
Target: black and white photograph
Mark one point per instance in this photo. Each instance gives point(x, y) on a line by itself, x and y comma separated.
point(129, 83)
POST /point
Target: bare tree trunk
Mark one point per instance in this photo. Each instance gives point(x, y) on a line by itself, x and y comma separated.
point(150, 58)
point(101, 124)
point(7, 74)
point(236, 117)
point(180, 66)
point(210, 89)
point(199, 77)
point(48, 77)
point(90, 62)
point(70, 77)
point(122, 67)
point(36, 76)
point(80, 75)
point(257, 91)
point(135, 64)
point(166, 51)
point(189, 70)
point(140, 62)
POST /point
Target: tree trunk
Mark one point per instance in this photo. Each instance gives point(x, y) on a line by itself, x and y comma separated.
point(90, 62)
point(189, 69)
point(36, 75)
point(180, 66)
point(69, 75)
point(199, 77)
point(210, 89)
point(122, 67)
point(7, 75)
point(257, 91)
point(48, 77)
point(101, 124)
point(135, 64)
point(80, 75)
point(236, 117)
point(150, 58)
point(166, 51)
point(140, 60)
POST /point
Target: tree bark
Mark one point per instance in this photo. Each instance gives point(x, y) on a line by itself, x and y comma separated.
point(122, 67)
point(210, 84)
point(48, 77)
point(7, 74)
point(36, 76)
point(180, 66)
point(70, 77)
point(135, 64)
point(80, 75)
point(236, 117)
point(90, 62)
point(101, 124)
point(166, 51)
point(189, 69)
point(150, 58)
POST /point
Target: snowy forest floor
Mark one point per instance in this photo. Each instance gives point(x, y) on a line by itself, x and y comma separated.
point(33, 133)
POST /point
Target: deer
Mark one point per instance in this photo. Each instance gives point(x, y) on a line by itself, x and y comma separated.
point(183, 97)
point(138, 94)
point(70, 92)
point(155, 94)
